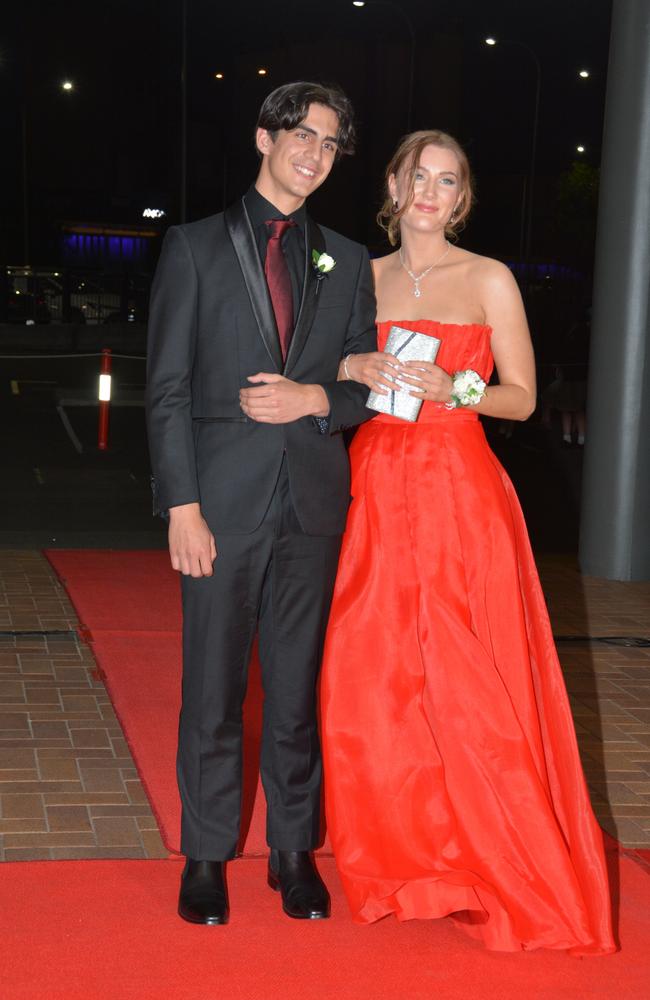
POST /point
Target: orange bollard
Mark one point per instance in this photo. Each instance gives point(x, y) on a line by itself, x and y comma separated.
point(104, 398)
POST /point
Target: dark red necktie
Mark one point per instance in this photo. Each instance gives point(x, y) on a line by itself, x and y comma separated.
point(279, 281)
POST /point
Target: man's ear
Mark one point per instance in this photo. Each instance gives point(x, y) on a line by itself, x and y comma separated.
point(263, 141)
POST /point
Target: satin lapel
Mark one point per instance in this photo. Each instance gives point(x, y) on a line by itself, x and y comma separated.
point(314, 240)
point(243, 241)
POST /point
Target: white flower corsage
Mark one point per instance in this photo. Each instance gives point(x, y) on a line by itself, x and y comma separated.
point(467, 389)
point(323, 263)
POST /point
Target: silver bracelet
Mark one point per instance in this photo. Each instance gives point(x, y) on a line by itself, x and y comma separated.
point(345, 368)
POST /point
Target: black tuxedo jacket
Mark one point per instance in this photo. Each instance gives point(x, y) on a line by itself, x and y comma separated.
point(211, 325)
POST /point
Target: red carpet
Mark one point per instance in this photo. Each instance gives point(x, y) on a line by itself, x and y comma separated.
point(104, 930)
point(128, 603)
point(108, 930)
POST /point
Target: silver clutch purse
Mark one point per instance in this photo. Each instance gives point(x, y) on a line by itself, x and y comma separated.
point(407, 345)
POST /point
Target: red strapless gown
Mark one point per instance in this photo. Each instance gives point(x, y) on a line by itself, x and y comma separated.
point(453, 781)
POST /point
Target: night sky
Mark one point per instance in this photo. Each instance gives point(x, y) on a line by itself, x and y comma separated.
point(111, 147)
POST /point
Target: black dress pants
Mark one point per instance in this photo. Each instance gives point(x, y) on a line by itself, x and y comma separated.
point(280, 581)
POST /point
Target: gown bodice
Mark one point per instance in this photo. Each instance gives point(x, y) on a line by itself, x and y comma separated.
point(464, 345)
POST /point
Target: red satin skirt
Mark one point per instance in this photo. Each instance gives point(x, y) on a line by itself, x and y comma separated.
point(453, 780)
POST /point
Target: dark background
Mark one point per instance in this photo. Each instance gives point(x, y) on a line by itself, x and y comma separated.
point(112, 146)
point(101, 153)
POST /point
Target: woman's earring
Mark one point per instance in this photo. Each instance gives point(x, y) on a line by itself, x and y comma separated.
point(395, 205)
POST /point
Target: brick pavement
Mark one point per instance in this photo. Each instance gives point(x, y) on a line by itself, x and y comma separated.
point(609, 689)
point(68, 784)
point(69, 787)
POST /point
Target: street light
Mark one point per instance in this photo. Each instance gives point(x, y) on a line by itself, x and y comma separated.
point(491, 41)
point(228, 85)
point(183, 89)
point(411, 30)
point(580, 149)
point(67, 86)
point(584, 73)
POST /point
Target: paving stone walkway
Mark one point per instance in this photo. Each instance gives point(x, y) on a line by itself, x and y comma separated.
point(69, 787)
point(68, 784)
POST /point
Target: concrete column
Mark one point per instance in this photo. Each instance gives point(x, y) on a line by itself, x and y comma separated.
point(615, 518)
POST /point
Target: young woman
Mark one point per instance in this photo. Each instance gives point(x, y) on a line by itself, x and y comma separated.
point(453, 781)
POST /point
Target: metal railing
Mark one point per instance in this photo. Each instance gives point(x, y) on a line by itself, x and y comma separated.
point(72, 295)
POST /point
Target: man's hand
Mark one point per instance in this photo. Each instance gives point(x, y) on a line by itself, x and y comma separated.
point(280, 401)
point(191, 543)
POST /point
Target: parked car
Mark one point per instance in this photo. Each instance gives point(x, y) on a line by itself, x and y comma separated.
point(25, 307)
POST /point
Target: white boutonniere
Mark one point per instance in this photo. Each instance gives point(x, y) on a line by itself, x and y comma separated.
point(468, 389)
point(323, 263)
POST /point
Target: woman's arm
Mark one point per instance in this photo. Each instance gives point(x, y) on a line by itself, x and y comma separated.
point(515, 396)
point(369, 369)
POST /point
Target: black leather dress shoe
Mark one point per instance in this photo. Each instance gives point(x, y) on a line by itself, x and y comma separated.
point(203, 897)
point(304, 895)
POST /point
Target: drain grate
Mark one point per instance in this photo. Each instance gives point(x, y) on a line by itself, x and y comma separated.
point(22, 632)
point(637, 641)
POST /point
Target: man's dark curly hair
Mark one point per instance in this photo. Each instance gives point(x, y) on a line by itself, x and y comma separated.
point(288, 106)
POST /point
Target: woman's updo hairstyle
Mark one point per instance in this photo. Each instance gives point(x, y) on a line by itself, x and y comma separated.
point(408, 155)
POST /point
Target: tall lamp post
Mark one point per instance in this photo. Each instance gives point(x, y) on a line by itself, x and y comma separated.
point(409, 24)
point(530, 193)
point(183, 191)
point(68, 87)
point(228, 83)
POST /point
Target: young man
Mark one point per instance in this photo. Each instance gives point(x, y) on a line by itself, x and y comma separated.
point(245, 416)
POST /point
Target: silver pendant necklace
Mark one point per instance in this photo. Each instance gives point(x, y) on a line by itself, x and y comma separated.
point(417, 278)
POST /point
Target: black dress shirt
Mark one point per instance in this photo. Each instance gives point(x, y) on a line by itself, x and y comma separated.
point(260, 211)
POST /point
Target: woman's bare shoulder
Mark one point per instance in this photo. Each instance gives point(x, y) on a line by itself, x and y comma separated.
point(487, 275)
point(382, 264)
point(488, 269)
